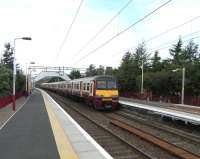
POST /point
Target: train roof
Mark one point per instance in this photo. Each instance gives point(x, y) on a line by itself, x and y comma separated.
point(94, 78)
point(61, 82)
point(84, 79)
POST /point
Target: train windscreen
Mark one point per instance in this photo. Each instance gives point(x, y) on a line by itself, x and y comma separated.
point(106, 84)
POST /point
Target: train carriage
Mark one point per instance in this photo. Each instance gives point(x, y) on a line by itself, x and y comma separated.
point(98, 91)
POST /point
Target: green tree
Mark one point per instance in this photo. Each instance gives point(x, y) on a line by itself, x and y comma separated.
point(140, 55)
point(91, 71)
point(5, 80)
point(74, 74)
point(8, 56)
point(156, 62)
point(190, 53)
point(176, 53)
point(100, 70)
point(158, 75)
point(109, 71)
point(6, 71)
point(192, 84)
point(20, 81)
point(125, 75)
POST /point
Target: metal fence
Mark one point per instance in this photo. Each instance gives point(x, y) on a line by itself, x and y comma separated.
point(189, 100)
point(4, 101)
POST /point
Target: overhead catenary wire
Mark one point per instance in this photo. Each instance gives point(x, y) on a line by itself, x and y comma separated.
point(161, 48)
point(182, 37)
point(167, 31)
point(163, 44)
point(69, 29)
point(118, 34)
point(158, 48)
point(171, 29)
point(104, 27)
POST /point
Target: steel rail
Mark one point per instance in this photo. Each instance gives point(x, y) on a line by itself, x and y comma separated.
point(179, 152)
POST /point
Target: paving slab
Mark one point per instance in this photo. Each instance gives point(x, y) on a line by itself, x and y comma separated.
point(6, 112)
point(83, 144)
point(28, 134)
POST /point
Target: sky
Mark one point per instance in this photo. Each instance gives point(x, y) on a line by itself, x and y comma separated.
point(47, 22)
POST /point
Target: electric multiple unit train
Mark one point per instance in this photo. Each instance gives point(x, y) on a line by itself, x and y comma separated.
point(101, 91)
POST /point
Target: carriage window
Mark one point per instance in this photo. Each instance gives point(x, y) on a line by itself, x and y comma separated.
point(88, 86)
point(101, 84)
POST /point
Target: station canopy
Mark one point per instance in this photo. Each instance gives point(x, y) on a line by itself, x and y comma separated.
point(45, 76)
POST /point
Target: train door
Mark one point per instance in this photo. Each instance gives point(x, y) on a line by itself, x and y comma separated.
point(72, 88)
point(81, 88)
point(91, 88)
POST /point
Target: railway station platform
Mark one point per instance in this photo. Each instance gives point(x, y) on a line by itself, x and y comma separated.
point(6, 112)
point(187, 117)
point(42, 129)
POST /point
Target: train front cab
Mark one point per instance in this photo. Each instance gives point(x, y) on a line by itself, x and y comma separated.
point(106, 93)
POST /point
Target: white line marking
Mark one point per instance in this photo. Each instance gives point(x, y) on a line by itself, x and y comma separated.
point(14, 113)
point(88, 137)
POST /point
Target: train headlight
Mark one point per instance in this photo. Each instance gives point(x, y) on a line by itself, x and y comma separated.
point(99, 97)
point(115, 98)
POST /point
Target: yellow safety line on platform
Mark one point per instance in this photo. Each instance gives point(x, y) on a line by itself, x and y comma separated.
point(64, 147)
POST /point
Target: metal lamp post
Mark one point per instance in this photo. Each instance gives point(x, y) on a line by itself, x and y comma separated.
point(14, 69)
point(142, 82)
point(30, 81)
point(183, 83)
point(32, 63)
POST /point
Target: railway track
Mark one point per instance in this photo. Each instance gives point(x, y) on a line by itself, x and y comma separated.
point(156, 125)
point(178, 126)
point(173, 149)
point(179, 152)
point(112, 143)
point(132, 146)
point(178, 144)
